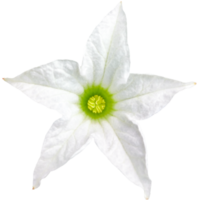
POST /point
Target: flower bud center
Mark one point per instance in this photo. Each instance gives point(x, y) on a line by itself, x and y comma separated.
point(96, 104)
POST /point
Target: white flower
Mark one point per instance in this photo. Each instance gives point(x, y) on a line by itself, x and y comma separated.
point(98, 100)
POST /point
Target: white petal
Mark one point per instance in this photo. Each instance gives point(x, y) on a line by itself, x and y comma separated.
point(122, 143)
point(54, 85)
point(106, 60)
point(63, 141)
point(145, 95)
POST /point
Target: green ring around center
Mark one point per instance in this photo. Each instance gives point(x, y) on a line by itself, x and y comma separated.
point(100, 91)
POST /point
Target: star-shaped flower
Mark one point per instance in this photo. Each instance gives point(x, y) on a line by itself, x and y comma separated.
point(98, 100)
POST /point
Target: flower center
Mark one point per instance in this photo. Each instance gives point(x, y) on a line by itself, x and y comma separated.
point(96, 104)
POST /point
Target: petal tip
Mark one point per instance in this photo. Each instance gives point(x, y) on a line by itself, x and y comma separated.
point(196, 83)
point(3, 79)
point(32, 188)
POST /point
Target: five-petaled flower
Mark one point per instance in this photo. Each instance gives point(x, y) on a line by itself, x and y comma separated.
point(98, 100)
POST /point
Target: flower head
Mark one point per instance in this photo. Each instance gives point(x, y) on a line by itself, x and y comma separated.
point(98, 100)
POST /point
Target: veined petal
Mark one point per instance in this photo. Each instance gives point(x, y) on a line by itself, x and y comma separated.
point(106, 60)
point(122, 143)
point(145, 95)
point(54, 85)
point(63, 141)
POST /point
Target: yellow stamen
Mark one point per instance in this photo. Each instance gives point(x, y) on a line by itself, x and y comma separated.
point(96, 104)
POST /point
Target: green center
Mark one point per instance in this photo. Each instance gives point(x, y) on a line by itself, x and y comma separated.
point(97, 102)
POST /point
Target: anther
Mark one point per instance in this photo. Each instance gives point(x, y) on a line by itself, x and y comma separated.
point(96, 104)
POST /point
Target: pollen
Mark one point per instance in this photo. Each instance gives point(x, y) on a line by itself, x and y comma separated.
point(96, 104)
